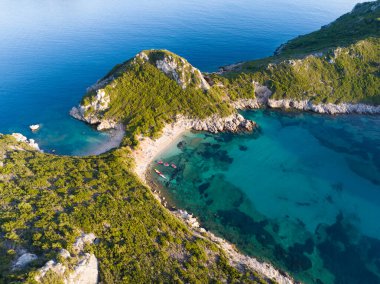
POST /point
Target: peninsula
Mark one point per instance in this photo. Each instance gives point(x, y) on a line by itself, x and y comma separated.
point(87, 219)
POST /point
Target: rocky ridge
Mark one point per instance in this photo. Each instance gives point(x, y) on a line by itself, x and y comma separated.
point(98, 104)
point(175, 67)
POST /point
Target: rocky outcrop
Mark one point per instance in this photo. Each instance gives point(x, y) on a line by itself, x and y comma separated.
point(21, 138)
point(176, 68)
point(243, 262)
point(91, 111)
point(85, 272)
point(306, 105)
point(85, 267)
point(262, 95)
point(236, 259)
point(23, 260)
point(233, 123)
point(187, 217)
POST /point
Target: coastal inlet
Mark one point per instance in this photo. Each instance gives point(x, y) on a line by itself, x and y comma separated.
point(301, 193)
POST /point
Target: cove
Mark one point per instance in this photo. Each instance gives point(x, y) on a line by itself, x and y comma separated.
point(51, 51)
point(303, 192)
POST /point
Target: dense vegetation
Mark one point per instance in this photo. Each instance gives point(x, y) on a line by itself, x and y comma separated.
point(363, 22)
point(348, 74)
point(145, 99)
point(338, 63)
point(47, 200)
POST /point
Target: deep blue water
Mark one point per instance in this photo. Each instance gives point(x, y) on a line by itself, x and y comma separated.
point(303, 192)
point(50, 51)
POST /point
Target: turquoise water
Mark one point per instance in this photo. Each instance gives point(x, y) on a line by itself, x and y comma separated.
point(51, 51)
point(302, 192)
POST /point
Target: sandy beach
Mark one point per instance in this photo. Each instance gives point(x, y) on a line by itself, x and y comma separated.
point(149, 148)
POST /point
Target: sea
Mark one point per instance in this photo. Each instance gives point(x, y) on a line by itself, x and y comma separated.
point(301, 192)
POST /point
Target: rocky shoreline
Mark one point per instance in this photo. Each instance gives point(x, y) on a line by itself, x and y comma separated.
point(263, 100)
point(236, 259)
point(306, 105)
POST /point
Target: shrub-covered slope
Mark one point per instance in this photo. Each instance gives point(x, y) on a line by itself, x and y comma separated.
point(349, 74)
point(46, 201)
point(339, 63)
point(361, 23)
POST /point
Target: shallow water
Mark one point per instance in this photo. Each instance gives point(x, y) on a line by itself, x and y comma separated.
point(302, 192)
point(51, 51)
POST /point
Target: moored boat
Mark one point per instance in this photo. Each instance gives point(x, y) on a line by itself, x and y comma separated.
point(159, 173)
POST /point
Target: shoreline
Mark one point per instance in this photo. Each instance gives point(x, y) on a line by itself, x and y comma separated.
point(148, 148)
point(144, 156)
point(116, 136)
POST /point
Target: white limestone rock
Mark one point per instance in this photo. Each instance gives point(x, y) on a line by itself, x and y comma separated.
point(233, 123)
point(24, 260)
point(306, 105)
point(85, 272)
point(98, 104)
point(21, 138)
point(178, 69)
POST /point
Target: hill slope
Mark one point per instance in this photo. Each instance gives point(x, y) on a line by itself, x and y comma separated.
point(340, 63)
point(47, 201)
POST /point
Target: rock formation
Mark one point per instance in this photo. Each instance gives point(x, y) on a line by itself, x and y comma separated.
point(233, 123)
point(85, 269)
point(21, 138)
point(307, 105)
point(176, 68)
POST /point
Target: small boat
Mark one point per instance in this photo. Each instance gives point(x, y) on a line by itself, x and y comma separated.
point(166, 164)
point(173, 166)
point(160, 162)
point(34, 127)
point(159, 173)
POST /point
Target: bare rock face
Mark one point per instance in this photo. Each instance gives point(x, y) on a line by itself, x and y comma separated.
point(233, 123)
point(262, 95)
point(91, 112)
point(21, 138)
point(85, 272)
point(307, 105)
point(85, 269)
point(176, 68)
